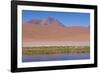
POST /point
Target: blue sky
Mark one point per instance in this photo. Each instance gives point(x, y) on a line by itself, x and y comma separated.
point(66, 18)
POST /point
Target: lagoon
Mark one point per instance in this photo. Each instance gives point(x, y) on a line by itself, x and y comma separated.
point(54, 57)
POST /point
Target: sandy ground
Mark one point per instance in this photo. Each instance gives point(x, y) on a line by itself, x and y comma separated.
point(56, 43)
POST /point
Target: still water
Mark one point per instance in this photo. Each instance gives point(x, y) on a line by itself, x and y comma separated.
point(55, 57)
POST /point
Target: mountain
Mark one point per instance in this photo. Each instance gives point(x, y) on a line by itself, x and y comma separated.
point(44, 22)
point(52, 30)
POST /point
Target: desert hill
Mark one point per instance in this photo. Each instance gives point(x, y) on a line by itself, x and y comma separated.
point(52, 30)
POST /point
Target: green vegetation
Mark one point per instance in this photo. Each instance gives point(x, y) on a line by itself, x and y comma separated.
point(55, 50)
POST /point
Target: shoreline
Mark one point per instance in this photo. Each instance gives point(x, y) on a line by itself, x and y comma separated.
point(57, 43)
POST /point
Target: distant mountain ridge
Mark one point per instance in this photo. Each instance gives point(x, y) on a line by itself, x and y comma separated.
point(43, 22)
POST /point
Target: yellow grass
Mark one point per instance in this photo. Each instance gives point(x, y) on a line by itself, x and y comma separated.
point(55, 50)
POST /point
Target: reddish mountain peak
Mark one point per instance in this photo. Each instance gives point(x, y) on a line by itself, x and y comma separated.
point(45, 22)
point(48, 21)
point(51, 21)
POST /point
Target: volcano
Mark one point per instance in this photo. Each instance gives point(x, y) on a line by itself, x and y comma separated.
point(52, 31)
point(44, 22)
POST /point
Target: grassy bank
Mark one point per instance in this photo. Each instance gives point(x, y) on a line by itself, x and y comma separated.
point(55, 50)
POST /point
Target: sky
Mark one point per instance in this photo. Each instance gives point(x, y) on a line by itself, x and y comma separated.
point(66, 18)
